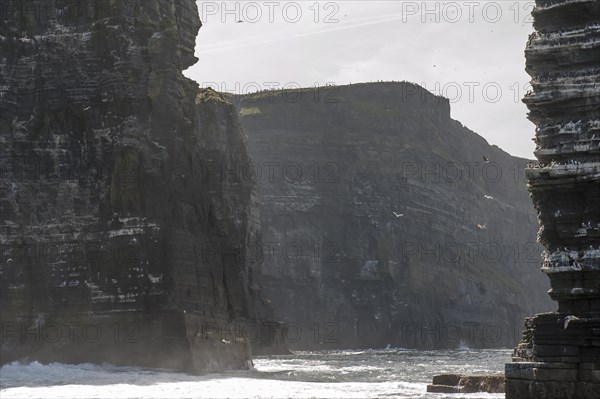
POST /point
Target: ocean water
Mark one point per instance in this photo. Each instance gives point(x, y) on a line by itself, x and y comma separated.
point(386, 373)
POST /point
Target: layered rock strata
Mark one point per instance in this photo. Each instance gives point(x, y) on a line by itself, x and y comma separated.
point(387, 222)
point(559, 355)
point(110, 219)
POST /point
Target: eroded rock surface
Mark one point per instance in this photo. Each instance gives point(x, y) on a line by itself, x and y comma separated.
point(559, 355)
point(109, 221)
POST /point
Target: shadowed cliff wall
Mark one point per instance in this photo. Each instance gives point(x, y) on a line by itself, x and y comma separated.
point(383, 223)
point(107, 216)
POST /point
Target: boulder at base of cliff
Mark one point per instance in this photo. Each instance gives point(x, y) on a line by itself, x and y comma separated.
point(456, 383)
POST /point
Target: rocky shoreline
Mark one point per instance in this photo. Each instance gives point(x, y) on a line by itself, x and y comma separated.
point(459, 383)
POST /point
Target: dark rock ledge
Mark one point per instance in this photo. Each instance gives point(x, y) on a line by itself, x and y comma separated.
point(457, 383)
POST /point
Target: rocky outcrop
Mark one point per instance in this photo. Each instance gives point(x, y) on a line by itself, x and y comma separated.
point(559, 355)
point(387, 222)
point(456, 383)
point(110, 220)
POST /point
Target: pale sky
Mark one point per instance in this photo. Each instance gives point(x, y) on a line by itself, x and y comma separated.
point(468, 51)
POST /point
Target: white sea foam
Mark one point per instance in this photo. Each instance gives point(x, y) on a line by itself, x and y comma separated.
point(336, 374)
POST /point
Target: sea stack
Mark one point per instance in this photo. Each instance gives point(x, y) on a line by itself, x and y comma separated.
point(118, 244)
point(559, 355)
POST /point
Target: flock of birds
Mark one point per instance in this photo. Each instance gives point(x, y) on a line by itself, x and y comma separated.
point(483, 226)
point(480, 226)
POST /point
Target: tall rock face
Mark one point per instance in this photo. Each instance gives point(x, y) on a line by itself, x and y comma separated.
point(110, 222)
point(559, 355)
point(384, 221)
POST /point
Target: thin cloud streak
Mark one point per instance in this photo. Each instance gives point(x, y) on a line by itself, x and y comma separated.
point(252, 42)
